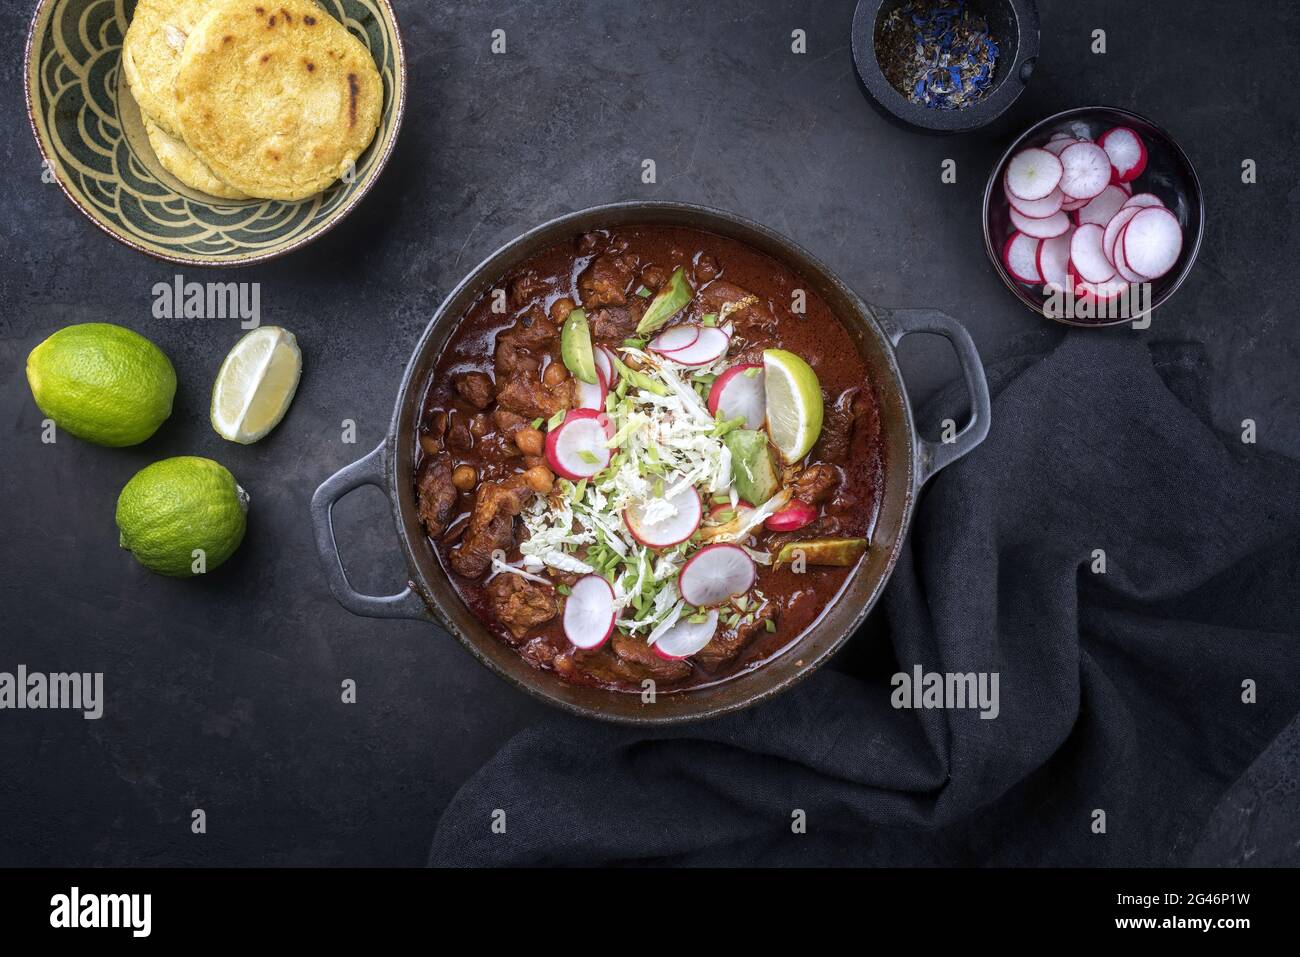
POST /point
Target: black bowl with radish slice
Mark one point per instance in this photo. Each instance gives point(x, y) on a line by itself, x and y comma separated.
point(1058, 209)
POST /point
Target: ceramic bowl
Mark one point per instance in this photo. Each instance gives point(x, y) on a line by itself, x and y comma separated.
point(93, 141)
point(1168, 174)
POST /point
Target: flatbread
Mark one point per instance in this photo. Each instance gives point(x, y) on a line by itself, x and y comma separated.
point(151, 54)
point(276, 97)
point(179, 160)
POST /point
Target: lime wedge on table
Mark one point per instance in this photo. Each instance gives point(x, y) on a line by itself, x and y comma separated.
point(256, 384)
point(794, 403)
point(575, 347)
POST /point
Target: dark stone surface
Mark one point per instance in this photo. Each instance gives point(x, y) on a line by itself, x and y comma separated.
point(224, 693)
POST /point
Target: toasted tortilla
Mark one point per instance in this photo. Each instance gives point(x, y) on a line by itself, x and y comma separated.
point(276, 97)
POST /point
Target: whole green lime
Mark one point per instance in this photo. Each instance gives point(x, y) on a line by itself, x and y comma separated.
point(102, 383)
point(182, 516)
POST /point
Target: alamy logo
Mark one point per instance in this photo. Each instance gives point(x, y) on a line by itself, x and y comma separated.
point(179, 299)
point(76, 691)
point(933, 689)
point(75, 909)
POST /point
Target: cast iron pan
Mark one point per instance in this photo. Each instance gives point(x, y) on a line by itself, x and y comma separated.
point(909, 461)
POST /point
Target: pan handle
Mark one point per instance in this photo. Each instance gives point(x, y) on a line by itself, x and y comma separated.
point(366, 471)
point(900, 323)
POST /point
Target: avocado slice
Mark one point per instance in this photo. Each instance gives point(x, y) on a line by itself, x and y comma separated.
point(825, 551)
point(752, 469)
point(668, 301)
point(575, 347)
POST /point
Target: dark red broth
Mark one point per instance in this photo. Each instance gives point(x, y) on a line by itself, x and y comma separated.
point(456, 431)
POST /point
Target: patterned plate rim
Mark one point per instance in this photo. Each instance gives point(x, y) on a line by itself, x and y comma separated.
point(45, 7)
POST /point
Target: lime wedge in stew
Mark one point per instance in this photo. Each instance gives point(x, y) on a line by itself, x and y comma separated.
point(794, 404)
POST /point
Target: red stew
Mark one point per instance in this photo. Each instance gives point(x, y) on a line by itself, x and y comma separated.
point(482, 464)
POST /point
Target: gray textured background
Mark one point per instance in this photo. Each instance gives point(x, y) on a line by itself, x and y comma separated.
point(223, 693)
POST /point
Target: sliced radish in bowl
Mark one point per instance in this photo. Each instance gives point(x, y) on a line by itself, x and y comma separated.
point(591, 395)
point(793, 517)
point(686, 638)
point(1143, 199)
point(1126, 151)
point(1086, 253)
point(1054, 261)
point(1020, 256)
point(1085, 170)
point(1037, 208)
point(576, 448)
point(740, 391)
point(654, 525)
point(1101, 291)
point(1152, 242)
point(674, 338)
point(589, 612)
point(1046, 228)
point(1059, 141)
point(1121, 264)
point(1117, 222)
point(710, 346)
point(714, 574)
point(605, 365)
point(1103, 206)
point(1033, 174)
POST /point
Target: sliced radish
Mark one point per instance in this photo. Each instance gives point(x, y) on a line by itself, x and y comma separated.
point(709, 347)
point(686, 638)
point(1059, 141)
point(1143, 199)
point(1117, 222)
point(1071, 204)
point(714, 574)
point(1089, 260)
point(589, 612)
point(1054, 261)
point(740, 391)
point(1086, 170)
point(592, 395)
point(1103, 206)
point(791, 518)
point(1121, 264)
point(674, 338)
point(1101, 291)
point(657, 527)
point(1127, 152)
point(576, 448)
point(1033, 174)
point(1153, 241)
point(1020, 255)
point(1037, 208)
point(1053, 225)
point(605, 365)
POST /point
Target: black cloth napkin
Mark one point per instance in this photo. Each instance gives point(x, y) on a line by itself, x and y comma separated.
point(1119, 692)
